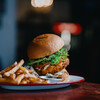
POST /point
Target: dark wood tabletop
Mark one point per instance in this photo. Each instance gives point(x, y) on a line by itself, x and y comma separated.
point(78, 91)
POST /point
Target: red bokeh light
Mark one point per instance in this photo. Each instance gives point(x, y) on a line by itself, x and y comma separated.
point(73, 28)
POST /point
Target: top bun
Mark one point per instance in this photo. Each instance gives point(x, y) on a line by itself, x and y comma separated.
point(44, 45)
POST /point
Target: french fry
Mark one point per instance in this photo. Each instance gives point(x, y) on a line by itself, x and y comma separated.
point(28, 74)
point(13, 70)
point(24, 81)
point(22, 68)
point(44, 81)
point(19, 79)
point(12, 76)
point(33, 80)
point(31, 70)
point(8, 68)
point(3, 80)
point(17, 74)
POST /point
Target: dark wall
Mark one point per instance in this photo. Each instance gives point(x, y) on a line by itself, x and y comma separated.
point(85, 47)
point(87, 14)
point(8, 36)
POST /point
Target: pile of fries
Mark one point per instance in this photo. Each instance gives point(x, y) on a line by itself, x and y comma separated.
point(17, 74)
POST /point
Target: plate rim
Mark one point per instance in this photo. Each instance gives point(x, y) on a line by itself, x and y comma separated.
point(43, 84)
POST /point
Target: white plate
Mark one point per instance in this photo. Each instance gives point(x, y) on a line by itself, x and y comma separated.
point(38, 86)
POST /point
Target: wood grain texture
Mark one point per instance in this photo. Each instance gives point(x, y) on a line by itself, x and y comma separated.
point(79, 91)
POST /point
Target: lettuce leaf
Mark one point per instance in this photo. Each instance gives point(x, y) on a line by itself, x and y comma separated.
point(52, 59)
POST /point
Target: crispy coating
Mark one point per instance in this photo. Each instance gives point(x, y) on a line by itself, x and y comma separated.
point(52, 68)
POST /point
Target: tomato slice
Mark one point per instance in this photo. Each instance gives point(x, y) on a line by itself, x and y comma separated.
point(46, 63)
point(40, 65)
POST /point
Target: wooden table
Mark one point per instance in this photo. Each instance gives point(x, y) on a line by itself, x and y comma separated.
point(78, 91)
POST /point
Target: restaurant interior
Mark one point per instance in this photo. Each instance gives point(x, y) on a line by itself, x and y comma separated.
point(22, 20)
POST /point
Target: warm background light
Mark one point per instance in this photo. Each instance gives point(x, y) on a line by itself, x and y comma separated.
point(41, 3)
point(73, 28)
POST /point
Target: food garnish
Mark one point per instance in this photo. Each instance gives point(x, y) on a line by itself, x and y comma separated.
point(53, 59)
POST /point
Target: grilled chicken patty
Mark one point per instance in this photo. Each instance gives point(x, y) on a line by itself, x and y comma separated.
point(46, 68)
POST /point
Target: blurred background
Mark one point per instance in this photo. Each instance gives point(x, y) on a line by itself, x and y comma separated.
point(21, 21)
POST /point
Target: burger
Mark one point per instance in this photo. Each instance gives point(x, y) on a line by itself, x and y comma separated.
point(48, 57)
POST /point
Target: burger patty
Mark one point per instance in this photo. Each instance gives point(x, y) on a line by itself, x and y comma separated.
point(46, 68)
